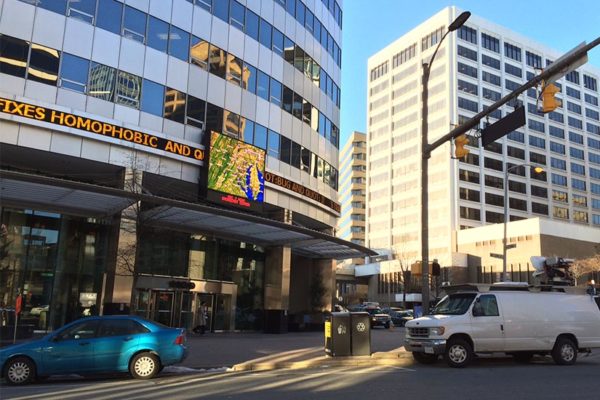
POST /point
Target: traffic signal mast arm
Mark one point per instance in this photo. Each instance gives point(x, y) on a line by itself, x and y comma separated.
point(556, 70)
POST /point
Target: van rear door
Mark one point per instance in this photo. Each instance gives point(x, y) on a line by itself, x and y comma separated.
point(487, 324)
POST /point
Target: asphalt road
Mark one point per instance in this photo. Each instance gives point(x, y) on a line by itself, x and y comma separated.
point(487, 378)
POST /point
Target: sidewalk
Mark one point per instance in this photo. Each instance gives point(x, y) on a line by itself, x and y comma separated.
point(258, 351)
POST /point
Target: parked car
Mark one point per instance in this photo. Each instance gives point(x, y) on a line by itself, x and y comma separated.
point(399, 316)
point(379, 318)
point(106, 344)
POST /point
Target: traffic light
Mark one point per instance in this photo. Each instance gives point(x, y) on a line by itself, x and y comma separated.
point(549, 103)
point(459, 146)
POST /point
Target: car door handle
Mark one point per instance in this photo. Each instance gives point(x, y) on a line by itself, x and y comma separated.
point(84, 343)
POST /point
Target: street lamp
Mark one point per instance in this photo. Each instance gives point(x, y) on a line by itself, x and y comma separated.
point(425, 154)
point(507, 169)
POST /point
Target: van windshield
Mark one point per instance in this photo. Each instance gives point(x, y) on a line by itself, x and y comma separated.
point(454, 304)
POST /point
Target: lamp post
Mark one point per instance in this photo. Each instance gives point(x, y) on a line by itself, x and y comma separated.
point(425, 154)
point(507, 169)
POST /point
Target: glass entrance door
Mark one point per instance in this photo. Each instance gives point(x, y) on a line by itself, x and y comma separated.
point(163, 307)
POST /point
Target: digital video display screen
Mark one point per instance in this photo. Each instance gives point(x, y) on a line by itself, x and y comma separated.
point(236, 168)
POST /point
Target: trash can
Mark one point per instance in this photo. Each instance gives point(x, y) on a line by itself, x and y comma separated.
point(361, 334)
point(337, 334)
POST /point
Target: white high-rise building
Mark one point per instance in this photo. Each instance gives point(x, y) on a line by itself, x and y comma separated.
point(476, 66)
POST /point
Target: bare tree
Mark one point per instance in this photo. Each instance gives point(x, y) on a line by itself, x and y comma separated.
point(405, 259)
point(586, 266)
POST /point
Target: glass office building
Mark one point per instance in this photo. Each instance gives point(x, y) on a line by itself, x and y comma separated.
point(159, 154)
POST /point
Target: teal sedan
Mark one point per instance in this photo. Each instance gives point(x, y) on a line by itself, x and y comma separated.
point(94, 345)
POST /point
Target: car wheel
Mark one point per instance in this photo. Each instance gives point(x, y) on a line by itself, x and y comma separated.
point(388, 325)
point(144, 366)
point(19, 371)
point(523, 357)
point(459, 353)
point(423, 358)
point(564, 352)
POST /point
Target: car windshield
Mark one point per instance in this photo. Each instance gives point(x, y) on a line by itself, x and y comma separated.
point(374, 311)
point(454, 304)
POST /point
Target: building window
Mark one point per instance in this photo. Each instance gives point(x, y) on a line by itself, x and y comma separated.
point(83, 10)
point(512, 51)
point(494, 199)
point(13, 56)
point(217, 61)
point(516, 152)
point(561, 212)
point(285, 149)
point(237, 14)
point(490, 94)
point(558, 163)
point(74, 73)
point(175, 105)
point(557, 148)
point(590, 83)
point(539, 208)
point(536, 126)
point(468, 104)
point(562, 197)
point(129, 87)
point(559, 180)
point(152, 97)
point(252, 24)
point(517, 136)
point(265, 34)
point(467, 53)
point(260, 136)
point(490, 43)
point(490, 61)
point(278, 46)
point(575, 123)
point(539, 191)
point(109, 15)
point(580, 201)
point(468, 34)
point(518, 204)
point(537, 142)
point(134, 24)
point(158, 33)
point(221, 9)
point(470, 213)
point(199, 52)
point(578, 184)
point(467, 70)
point(262, 85)
point(467, 87)
point(533, 60)
point(43, 65)
point(179, 43)
point(468, 176)
point(249, 78)
point(102, 81)
point(234, 69)
point(573, 77)
point(196, 113)
point(275, 90)
point(515, 71)
point(494, 182)
point(580, 216)
point(493, 217)
point(573, 93)
point(469, 194)
point(490, 78)
point(576, 153)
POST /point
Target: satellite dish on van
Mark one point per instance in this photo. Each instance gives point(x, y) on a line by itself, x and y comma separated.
point(538, 262)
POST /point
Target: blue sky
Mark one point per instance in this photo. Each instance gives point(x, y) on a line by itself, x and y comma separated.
point(370, 25)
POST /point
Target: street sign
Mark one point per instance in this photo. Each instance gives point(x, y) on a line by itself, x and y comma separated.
point(511, 246)
point(496, 255)
point(512, 121)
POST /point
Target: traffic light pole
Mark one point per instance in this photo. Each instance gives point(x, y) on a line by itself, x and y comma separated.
point(559, 68)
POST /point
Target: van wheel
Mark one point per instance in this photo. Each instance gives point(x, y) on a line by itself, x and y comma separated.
point(564, 351)
point(423, 358)
point(459, 353)
point(144, 366)
point(19, 371)
point(523, 357)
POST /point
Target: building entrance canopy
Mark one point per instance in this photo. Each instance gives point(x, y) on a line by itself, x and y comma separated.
point(58, 195)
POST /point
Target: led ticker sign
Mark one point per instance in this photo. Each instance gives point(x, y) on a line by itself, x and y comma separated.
point(105, 129)
point(301, 190)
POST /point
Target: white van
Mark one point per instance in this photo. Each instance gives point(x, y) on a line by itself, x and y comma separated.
point(516, 322)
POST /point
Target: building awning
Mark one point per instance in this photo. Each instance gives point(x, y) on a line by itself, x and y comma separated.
point(25, 190)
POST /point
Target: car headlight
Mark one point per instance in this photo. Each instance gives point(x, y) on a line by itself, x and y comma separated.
point(439, 331)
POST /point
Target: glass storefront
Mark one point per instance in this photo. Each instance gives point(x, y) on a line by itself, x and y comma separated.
point(55, 261)
point(200, 257)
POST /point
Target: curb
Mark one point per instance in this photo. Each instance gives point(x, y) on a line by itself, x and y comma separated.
point(402, 358)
